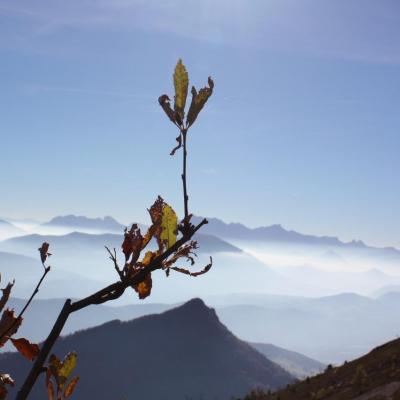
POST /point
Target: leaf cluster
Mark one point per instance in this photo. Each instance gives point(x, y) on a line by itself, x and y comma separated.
point(164, 231)
point(57, 375)
point(177, 114)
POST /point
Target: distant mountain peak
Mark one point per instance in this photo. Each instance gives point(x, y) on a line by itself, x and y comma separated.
point(189, 352)
point(277, 233)
point(195, 304)
point(80, 221)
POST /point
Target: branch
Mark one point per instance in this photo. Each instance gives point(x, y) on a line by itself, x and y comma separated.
point(37, 367)
point(113, 258)
point(19, 317)
point(111, 292)
point(103, 295)
point(185, 195)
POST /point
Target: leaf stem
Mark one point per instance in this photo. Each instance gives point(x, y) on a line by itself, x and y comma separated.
point(185, 195)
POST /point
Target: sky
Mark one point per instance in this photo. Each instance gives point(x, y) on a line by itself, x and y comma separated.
point(302, 129)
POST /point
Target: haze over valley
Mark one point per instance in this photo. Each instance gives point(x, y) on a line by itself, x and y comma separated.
point(292, 290)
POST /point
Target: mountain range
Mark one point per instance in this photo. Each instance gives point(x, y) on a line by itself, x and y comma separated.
point(77, 241)
point(277, 234)
point(330, 329)
point(42, 313)
point(106, 224)
point(217, 227)
point(183, 353)
point(311, 326)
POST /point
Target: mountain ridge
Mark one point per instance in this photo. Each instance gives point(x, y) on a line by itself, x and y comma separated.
point(81, 221)
point(220, 228)
point(184, 352)
point(277, 233)
point(374, 376)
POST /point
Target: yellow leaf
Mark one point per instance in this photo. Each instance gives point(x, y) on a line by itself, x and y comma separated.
point(169, 226)
point(181, 83)
point(148, 258)
point(68, 365)
point(71, 387)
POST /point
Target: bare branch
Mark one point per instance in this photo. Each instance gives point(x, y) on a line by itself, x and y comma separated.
point(19, 317)
point(113, 258)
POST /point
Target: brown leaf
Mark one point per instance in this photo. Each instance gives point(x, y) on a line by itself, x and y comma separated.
point(150, 233)
point(156, 213)
point(54, 366)
point(44, 252)
point(194, 274)
point(181, 270)
point(198, 101)
point(204, 270)
point(185, 251)
point(164, 102)
point(132, 244)
point(71, 387)
point(50, 390)
point(178, 146)
point(9, 324)
point(144, 288)
point(26, 348)
point(5, 379)
point(155, 210)
point(6, 294)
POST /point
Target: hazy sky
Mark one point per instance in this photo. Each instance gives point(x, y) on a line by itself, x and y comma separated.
point(303, 129)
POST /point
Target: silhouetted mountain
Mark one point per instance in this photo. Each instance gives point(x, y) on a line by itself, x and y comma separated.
point(297, 364)
point(375, 376)
point(107, 224)
point(43, 312)
point(184, 353)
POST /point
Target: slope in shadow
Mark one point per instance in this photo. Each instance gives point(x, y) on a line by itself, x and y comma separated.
point(184, 353)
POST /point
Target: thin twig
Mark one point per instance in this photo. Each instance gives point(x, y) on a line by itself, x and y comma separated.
point(35, 291)
point(185, 194)
point(113, 258)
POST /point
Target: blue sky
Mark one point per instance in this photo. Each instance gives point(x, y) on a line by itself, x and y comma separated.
point(302, 129)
